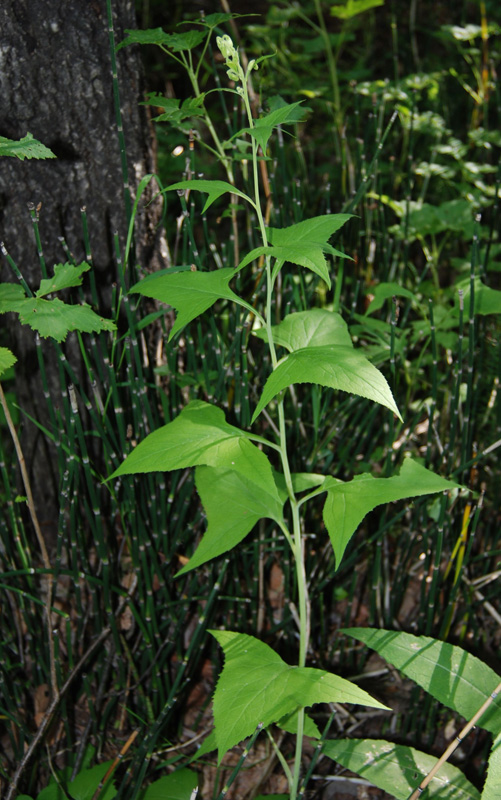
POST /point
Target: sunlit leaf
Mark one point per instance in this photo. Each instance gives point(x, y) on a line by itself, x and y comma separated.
point(304, 255)
point(337, 367)
point(316, 230)
point(233, 503)
point(199, 435)
point(316, 327)
point(348, 503)
point(257, 686)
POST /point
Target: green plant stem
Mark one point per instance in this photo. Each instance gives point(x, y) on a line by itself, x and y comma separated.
point(297, 544)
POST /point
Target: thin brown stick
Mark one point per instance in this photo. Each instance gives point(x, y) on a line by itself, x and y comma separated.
point(455, 743)
point(40, 537)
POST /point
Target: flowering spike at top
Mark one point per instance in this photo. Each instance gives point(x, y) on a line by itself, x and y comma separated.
point(230, 55)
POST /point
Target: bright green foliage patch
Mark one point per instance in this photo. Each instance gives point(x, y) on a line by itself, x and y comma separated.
point(337, 367)
point(199, 435)
point(257, 687)
point(316, 327)
point(398, 769)
point(348, 503)
point(234, 503)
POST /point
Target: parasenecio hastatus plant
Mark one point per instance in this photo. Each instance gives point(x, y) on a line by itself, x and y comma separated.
point(234, 477)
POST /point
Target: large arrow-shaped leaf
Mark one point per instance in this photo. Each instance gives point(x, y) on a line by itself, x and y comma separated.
point(348, 503)
point(337, 367)
point(450, 674)
point(316, 230)
point(257, 686)
point(398, 769)
point(316, 327)
point(200, 435)
point(304, 255)
point(233, 503)
point(190, 293)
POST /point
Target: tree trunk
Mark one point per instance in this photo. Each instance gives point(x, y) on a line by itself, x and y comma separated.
point(56, 83)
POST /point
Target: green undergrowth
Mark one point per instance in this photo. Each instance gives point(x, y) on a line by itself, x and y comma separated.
point(406, 152)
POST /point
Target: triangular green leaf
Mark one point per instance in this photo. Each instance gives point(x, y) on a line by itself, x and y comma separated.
point(7, 360)
point(233, 504)
point(27, 147)
point(304, 255)
point(493, 780)
point(190, 293)
point(337, 367)
point(213, 188)
point(398, 769)
point(257, 686)
point(316, 327)
point(450, 674)
point(348, 503)
point(316, 230)
point(199, 435)
point(65, 276)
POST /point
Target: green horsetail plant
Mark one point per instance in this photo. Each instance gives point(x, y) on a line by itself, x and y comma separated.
point(237, 482)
